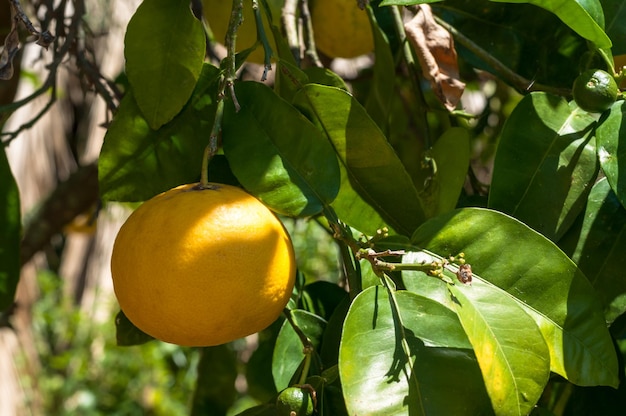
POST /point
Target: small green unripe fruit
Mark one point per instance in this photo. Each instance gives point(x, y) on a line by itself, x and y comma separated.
point(595, 90)
point(294, 401)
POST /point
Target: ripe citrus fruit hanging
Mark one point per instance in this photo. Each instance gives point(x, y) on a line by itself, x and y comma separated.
point(296, 401)
point(595, 90)
point(201, 267)
point(217, 14)
point(341, 29)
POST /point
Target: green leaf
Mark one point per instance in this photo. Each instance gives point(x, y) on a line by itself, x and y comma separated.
point(599, 247)
point(538, 276)
point(372, 168)
point(277, 154)
point(615, 13)
point(451, 156)
point(511, 351)
point(128, 334)
point(376, 372)
point(259, 366)
point(10, 230)
point(288, 350)
point(585, 17)
point(164, 51)
point(612, 151)
point(382, 91)
point(215, 390)
point(545, 164)
point(406, 2)
point(137, 162)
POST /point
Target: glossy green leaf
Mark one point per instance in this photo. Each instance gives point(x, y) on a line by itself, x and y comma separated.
point(127, 334)
point(215, 388)
point(615, 13)
point(531, 270)
point(600, 245)
point(545, 164)
point(372, 167)
point(277, 154)
point(288, 353)
point(450, 157)
point(137, 162)
point(612, 150)
point(510, 349)
point(378, 378)
point(585, 17)
point(382, 91)
point(164, 50)
point(10, 230)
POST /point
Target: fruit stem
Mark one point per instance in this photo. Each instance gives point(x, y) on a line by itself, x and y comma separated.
point(211, 149)
point(307, 346)
point(236, 17)
point(262, 37)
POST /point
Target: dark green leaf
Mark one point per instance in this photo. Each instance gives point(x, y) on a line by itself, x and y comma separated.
point(600, 245)
point(510, 349)
point(137, 162)
point(382, 91)
point(535, 273)
point(612, 150)
point(260, 410)
point(405, 2)
point(288, 350)
point(128, 334)
point(259, 367)
point(545, 164)
point(585, 17)
point(277, 154)
point(450, 161)
point(615, 13)
point(215, 384)
point(164, 50)
point(372, 168)
point(321, 298)
point(376, 372)
point(10, 230)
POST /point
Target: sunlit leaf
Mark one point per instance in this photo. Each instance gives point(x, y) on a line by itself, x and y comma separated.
point(373, 169)
point(376, 372)
point(510, 349)
point(538, 276)
point(10, 230)
point(545, 164)
point(164, 51)
point(277, 154)
point(612, 150)
point(137, 162)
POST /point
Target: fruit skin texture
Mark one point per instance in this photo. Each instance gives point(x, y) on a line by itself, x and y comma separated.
point(217, 14)
point(595, 90)
point(200, 267)
point(341, 29)
point(294, 399)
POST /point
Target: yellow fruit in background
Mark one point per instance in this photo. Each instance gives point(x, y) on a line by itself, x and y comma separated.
point(217, 14)
point(201, 267)
point(342, 30)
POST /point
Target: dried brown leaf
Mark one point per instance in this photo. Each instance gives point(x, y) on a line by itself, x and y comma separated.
point(434, 47)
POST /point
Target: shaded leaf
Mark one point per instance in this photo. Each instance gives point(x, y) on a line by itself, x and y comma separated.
point(259, 366)
point(434, 47)
point(137, 162)
point(215, 384)
point(611, 150)
point(585, 17)
point(510, 349)
point(545, 164)
point(537, 275)
point(277, 154)
point(615, 13)
point(599, 246)
point(128, 334)
point(376, 373)
point(164, 51)
point(288, 349)
point(10, 230)
point(372, 168)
